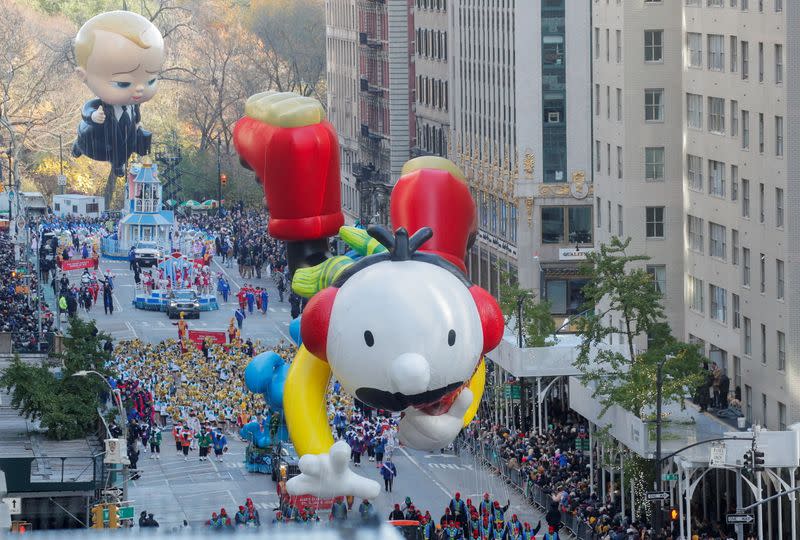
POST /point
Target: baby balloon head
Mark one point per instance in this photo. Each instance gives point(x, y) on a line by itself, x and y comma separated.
point(402, 328)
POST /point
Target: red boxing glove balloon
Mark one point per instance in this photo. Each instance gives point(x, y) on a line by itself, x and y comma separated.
point(286, 140)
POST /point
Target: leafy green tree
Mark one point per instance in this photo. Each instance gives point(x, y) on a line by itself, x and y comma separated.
point(620, 287)
point(65, 405)
point(537, 322)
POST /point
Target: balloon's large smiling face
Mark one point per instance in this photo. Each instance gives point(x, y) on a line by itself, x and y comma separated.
point(404, 334)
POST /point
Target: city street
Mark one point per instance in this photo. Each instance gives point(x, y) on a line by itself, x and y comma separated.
point(153, 326)
point(174, 489)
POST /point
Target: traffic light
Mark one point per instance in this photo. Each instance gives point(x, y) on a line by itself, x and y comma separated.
point(748, 461)
point(97, 517)
point(673, 514)
point(223, 179)
point(113, 517)
point(758, 460)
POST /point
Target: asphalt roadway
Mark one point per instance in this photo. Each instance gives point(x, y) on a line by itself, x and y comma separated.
point(175, 490)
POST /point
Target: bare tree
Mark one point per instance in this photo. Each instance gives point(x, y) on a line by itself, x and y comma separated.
point(293, 35)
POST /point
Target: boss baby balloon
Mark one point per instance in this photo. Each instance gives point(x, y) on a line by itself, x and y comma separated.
point(119, 56)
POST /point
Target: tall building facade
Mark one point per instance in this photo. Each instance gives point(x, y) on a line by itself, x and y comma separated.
point(695, 119)
point(520, 79)
point(342, 51)
point(386, 82)
point(432, 77)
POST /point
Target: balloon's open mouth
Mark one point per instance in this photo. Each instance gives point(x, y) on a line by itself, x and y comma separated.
point(433, 402)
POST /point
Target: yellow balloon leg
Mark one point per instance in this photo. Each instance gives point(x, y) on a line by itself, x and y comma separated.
point(305, 406)
point(476, 384)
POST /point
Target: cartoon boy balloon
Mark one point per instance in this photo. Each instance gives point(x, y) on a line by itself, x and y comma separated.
point(119, 56)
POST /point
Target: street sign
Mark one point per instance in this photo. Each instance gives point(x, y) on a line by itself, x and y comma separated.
point(657, 496)
point(740, 518)
point(113, 492)
point(62, 180)
point(717, 456)
point(512, 391)
point(14, 505)
point(123, 512)
point(670, 477)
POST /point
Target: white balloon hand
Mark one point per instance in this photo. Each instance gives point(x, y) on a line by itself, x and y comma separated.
point(425, 432)
point(327, 475)
point(99, 116)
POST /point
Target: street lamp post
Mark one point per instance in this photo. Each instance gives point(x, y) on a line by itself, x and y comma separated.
point(61, 164)
point(657, 481)
point(523, 399)
point(124, 418)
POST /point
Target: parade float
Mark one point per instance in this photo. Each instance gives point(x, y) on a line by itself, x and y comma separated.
point(402, 328)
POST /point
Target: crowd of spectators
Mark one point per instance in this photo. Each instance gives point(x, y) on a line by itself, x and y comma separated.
point(18, 300)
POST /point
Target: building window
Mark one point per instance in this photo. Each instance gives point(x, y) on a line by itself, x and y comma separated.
point(512, 223)
point(748, 336)
point(745, 267)
point(737, 314)
point(748, 392)
point(565, 296)
point(599, 212)
point(734, 182)
point(778, 64)
point(696, 294)
point(619, 221)
point(761, 133)
point(762, 270)
point(734, 247)
point(716, 115)
point(92, 208)
point(654, 221)
point(484, 209)
point(608, 159)
point(734, 55)
point(760, 61)
point(653, 164)
point(503, 228)
point(779, 279)
point(745, 129)
point(492, 213)
point(781, 351)
point(737, 376)
point(597, 155)
point(694, 172)
point(745, 47)
point(619, 104)
point(778, 6)
point(659, 274)
point(694, 44)
point(761, 202)
point(576, 229)
point(718, 308)
point(597, 100)
point(734, 118)
point(745, 198)
point(763, 396)
point(716, 178)
point(608, 45)
point(653, 45)
point(779, 207)
point(619, 46)
point(608, 102)
point(781, 406)
point(596, 42)
point(764, 344)
point(654, 105)
point(716, 3)
point(695, 231)
point(619, 162)
point(694, 111)
point(717, 235)
point(716, 52)
point(779, 136)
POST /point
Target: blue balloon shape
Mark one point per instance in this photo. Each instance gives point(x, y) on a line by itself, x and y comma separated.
point(294, 331)
point(260, 371)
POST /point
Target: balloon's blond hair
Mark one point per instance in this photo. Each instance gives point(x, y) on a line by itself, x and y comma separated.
point(127, 24)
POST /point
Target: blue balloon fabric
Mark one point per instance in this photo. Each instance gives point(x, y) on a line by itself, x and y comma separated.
point(294, 331)
point(266, 374)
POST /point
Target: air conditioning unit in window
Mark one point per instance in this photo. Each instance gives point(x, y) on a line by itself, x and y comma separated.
point(553, 117)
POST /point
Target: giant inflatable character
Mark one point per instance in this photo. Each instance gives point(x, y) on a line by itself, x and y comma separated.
point(266, 374)
point(402, 329)
point(119, 56)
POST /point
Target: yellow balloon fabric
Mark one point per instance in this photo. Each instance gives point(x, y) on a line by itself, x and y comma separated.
point(476, 384)
point(305, 406)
